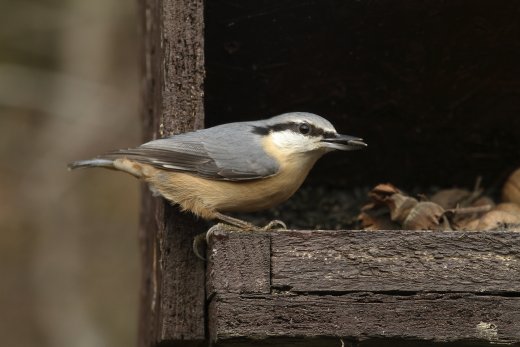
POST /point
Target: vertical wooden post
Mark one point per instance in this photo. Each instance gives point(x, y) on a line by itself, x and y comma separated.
point(172, 289)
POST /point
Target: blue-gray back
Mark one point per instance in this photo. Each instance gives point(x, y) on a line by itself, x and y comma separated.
point(225, 152)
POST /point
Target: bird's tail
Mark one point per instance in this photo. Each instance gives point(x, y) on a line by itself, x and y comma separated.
point(96, 162)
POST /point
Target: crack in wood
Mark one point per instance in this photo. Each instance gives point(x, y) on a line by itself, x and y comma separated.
point(293, 301)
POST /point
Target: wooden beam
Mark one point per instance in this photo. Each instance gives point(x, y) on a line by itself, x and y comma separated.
point(242, 258)
point(363, 316)
point(172, 289)
point(408, 261)
point(363, 286)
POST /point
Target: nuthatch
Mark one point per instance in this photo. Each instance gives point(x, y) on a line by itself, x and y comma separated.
point(235, 167)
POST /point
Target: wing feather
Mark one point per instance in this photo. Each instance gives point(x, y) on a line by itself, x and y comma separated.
point(209, 153)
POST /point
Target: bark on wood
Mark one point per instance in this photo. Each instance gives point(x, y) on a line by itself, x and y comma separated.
point(357, 316)
point(358, 285)
point(172, 294)
point(239, 263)
point(481, 262)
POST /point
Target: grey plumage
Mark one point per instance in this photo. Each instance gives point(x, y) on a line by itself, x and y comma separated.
point(96, 162)
point(199, 170)
point(224, 152)
point(299, 117)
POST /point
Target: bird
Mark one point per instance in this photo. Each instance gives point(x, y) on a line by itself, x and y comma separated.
point(235, 167)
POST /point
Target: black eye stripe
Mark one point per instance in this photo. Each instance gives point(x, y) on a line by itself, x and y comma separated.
point(313, 131)
point(260, 130)
point(284, 126)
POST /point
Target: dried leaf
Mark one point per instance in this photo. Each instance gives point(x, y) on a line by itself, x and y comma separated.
point(381, 192)
point(400, 206)
point(461, 217)
point(508, 207)
point(376, 215)
point(484, 201)
point(450, 198)
point(511, 189)
point(470, 224)
point(386, 188)
point(494, 220)
point(375, 220)
point(425, 216)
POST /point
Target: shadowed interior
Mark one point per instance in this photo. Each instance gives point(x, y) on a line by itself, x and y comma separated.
point(433, 87)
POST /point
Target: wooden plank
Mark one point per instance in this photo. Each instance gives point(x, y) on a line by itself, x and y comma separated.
point(408, 261)
point(182, 296)
point(238, 262)
point(366, 316)
point(149, 247)
point(172, 291)
point(149, 300)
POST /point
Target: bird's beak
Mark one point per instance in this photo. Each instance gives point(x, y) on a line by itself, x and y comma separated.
point(343, 143)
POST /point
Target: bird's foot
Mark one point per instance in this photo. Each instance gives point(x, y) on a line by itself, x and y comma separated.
point(274, 225)
point(199, 246)
point(202, 240)
point(220, 226)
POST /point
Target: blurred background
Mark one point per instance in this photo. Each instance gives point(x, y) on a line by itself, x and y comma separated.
point(403, 77)
point(68, 240)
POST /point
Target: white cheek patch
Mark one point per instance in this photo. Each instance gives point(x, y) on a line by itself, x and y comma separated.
point(290, 142)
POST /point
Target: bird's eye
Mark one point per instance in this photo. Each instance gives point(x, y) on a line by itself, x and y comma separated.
point(304, 128)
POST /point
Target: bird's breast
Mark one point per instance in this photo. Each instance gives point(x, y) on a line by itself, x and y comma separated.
point(198, 194)
point(255, 195)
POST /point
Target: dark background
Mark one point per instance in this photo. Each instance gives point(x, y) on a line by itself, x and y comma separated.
point(432, 86)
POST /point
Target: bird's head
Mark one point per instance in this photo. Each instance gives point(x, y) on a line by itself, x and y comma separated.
point(305, 133)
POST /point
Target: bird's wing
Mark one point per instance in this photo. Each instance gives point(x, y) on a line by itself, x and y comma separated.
point(210, 153)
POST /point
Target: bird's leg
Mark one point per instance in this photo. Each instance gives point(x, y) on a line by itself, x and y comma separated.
point(239, 223)
point(274, 224)
point(231, 222)
point(198, 244)
point(203, 238)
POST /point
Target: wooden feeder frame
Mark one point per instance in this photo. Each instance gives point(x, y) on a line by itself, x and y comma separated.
point(301, 288)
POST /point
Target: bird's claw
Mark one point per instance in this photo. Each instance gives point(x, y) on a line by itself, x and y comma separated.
point(198, 241)
point(275, 224)
point(198, 244)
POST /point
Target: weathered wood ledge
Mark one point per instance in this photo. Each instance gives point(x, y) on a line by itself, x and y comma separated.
point(312, 287)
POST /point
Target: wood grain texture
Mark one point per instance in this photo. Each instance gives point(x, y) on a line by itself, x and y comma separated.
point(365, 316)
point(453, 287)
point(182, 49)
point(409, 261)
point(151, 208)
point(172, 291)
point(238, 263)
